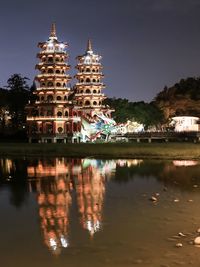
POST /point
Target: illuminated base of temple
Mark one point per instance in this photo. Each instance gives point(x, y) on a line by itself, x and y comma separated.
point(55, 139)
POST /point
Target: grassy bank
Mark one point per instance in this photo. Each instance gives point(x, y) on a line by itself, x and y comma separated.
point(110, 150)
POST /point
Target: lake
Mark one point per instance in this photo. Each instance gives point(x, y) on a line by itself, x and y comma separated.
point(93, 212)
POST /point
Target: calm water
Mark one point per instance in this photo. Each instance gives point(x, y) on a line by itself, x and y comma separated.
point(67, 212)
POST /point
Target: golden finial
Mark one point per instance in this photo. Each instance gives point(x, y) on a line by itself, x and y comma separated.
point(89, 45)
point(53, 30)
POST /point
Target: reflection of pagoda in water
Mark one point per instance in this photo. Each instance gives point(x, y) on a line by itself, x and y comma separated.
point(54, 179)
point(90, 189)
point(54, 200)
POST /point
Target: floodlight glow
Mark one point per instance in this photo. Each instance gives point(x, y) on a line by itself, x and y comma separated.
point(64, 242)
point(185, 123)
point(62, 46)
point(53, 243)
point(50, 45)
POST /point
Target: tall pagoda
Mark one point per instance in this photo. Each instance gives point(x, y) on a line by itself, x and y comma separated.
point(50, 118)
point(88, 90)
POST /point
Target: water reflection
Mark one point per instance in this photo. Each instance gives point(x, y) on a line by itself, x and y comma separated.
point(60, 182)
point(53, 188)
point(185, 163)
point(13, 172)
point(90, 190)
point(55, 181)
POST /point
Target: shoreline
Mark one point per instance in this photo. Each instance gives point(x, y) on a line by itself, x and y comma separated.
point(184, 151)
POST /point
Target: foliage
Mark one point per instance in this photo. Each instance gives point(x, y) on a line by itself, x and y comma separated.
point(13, 99)
point(3, 107)
point(18, 96)
point(145, 113)
point(186, 88)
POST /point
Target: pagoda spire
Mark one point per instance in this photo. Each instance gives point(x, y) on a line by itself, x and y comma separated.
point(89, 45)
point(53, 31)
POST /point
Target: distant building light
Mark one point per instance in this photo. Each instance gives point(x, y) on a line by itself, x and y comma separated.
point(185, 123)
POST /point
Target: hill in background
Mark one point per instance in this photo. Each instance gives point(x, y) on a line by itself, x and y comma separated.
point(182, 99)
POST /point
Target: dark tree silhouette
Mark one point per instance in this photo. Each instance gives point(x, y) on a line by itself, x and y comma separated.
point(18, 95)
point(146, 113)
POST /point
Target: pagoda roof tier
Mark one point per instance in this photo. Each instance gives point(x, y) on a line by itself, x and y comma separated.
point(90, 99)
point(90, 96)
point(53, 75)
point(41, 54)
point(92, 108)
point(54, 65)
point(89, 65)
point(50, 52)
point(82, 67)
point(53, 86)
point(90, 85)
point(89, 74)
point(53, 89)
point(53, 104)
point(96, 95)
point(56, 43)
point(41, 92)
point(52, 79)
point(88, 55)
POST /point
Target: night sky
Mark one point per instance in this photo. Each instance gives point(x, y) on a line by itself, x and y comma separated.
point(145, 44)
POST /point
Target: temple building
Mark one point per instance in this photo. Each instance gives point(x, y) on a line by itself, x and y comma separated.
point(60, 113)
point(88, 89)
point(51, 118)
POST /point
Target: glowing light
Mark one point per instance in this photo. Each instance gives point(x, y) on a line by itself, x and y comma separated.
point(64, 242)
point(93, 227)
point(62, 46)
point(89, 226)
point(185, 123)
point(50, 45)
point(53, 243)
point(185, 163)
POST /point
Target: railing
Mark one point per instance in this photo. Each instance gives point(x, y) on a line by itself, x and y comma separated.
point(52, 74)
point(162, 134)
point(90, 83)
point(93, 94)
point(48, 135)
point(89, 72)
point(55, 62)
point(52, 51)
point(62, 88)
point(43, 118)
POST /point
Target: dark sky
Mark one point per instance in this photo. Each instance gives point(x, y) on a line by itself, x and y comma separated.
point(145, 44)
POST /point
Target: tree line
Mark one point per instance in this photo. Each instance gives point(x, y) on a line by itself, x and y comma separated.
point(13, 98)
point(17, 94)
point(144, 113)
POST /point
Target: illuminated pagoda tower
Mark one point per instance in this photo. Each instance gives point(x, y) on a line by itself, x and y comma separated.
point(50, 117)
point(88, 90)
